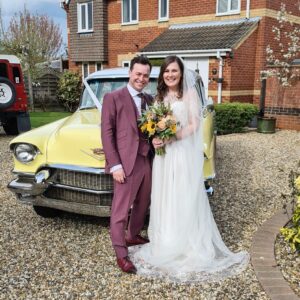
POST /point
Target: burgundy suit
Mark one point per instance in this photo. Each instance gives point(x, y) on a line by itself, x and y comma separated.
point(124, 144)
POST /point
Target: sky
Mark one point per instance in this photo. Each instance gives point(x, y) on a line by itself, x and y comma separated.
point(50, 8)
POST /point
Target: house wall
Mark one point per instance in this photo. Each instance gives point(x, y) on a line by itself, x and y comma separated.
point(241, 73)
point(91, 46)
point(283, 103)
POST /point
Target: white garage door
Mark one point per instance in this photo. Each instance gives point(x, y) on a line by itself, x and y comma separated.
point(200, 63)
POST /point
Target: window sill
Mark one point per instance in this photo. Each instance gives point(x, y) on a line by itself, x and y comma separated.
point(163, 20)
point(86, 31)
point(130, 23)
point(228, 13)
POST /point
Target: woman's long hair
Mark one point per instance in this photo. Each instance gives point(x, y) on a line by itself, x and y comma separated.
point(162, 88)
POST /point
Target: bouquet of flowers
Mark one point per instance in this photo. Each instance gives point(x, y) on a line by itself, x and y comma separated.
point(158, 121)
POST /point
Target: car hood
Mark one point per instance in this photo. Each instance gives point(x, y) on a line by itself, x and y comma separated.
point(74, 140)
point(69, 141)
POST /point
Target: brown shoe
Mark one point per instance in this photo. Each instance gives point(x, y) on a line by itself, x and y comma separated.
point(126, 265)
point(138, 240)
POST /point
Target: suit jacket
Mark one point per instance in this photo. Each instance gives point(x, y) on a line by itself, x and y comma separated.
point(119, 130)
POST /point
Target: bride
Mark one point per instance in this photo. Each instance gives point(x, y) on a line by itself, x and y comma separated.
point(185, 244)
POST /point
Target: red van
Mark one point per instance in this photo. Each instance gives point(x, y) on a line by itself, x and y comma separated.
point(14, 116)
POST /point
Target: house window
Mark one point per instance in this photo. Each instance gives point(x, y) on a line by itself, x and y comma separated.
point(129, 11)
point(85, 17)
point(163, 10)
point(98, 66)
point(85, 70)
point(225, 7)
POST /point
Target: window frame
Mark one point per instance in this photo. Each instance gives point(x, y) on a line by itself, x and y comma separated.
point(130, 22)
point(79, 16)
point(228, 11)
point(160, 18)
point(126, 63)
point(96, 66)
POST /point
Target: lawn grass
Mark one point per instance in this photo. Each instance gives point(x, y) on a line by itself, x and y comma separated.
point(38, 119)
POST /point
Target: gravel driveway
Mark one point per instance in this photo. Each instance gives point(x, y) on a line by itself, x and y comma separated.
point(71, 257)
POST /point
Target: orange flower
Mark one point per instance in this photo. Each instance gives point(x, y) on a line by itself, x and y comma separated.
point(161, 124)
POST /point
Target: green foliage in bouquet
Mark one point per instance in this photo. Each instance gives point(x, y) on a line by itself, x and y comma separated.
point(234, 117)
point(291, 233)
point(69, 90)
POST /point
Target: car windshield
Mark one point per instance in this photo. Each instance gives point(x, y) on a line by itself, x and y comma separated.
point(102, 86)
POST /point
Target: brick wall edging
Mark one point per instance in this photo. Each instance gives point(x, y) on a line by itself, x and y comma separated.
point(263, 258)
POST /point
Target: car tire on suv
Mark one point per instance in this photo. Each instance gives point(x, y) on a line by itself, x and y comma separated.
point(7, 93)
point(11, 126)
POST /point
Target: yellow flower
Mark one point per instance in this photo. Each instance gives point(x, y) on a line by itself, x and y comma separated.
point(297, 183)
point(173, 128)
point(151, 128)
point(144, 127)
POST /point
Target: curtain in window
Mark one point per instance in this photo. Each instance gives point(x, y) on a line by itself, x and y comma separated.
point(83, 20)
point(126, 11)
point(133, 10)
point(90, 15)
point(234, 4)
point(163, 8)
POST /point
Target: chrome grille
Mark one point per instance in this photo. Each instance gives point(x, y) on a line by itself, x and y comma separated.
point(101, 182)
point(78, 197)
point(83, 180)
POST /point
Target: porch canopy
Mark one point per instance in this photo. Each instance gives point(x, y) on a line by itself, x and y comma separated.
point(206, 38)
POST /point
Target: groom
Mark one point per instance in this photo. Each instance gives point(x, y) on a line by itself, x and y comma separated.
point(128, 160)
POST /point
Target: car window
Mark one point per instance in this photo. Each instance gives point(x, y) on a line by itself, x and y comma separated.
point(200, 89)
point(102, 86)
point(3, 70)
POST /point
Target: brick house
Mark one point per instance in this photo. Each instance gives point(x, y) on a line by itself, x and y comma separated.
point(224, 39)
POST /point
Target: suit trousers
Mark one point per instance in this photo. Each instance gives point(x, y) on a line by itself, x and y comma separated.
point(134, 193)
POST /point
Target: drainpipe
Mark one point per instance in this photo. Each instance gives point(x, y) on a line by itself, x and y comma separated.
point(248, 10)
point(220, 77)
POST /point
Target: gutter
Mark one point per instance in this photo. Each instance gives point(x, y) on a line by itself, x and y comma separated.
point(220, 77)
point(186, 53)
point(248, 10)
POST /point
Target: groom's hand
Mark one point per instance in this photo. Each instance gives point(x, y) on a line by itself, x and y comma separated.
point(119, 175)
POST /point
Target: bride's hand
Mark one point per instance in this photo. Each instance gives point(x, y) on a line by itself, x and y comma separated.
point(157, 143)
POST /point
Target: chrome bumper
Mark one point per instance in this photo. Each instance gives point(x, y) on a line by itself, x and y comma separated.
point(27, 187)
point(34, 190)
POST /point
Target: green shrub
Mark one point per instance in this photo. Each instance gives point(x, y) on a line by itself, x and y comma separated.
point(234, 117)
point(69, 89)
point(291, 233)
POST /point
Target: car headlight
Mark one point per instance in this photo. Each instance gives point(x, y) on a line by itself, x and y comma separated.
point(25, 153)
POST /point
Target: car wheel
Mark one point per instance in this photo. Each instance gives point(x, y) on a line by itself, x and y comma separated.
point(11, 126)
point(7, 93)
point(47, 212)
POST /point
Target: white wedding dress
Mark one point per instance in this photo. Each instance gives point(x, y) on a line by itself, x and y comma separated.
point(185, 243)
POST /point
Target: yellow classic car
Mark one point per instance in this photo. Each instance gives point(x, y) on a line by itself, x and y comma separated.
point(60, 166)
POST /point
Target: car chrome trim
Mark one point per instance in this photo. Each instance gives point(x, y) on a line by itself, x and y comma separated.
point(76, 168)
point(74, 188)
point(27, 188)
point(79, 208)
